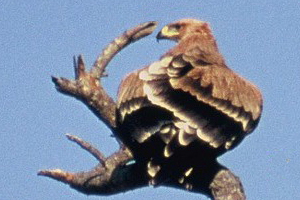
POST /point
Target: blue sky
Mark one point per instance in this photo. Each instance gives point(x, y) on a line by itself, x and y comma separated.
point(259, 39)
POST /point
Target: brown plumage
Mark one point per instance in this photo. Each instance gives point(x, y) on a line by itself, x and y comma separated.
point(188, 107)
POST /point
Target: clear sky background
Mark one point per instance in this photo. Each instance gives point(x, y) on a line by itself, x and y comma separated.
point(259, 39)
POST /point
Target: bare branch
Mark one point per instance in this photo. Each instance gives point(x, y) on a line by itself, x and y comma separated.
point(87, 87)
point(129, 36)
point(226, 185)
point(115, 175)
point(57, 174)
point(88, 90)
point(88, 147)
point(112, 177)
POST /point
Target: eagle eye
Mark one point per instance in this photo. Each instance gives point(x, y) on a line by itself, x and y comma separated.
point(176, 26)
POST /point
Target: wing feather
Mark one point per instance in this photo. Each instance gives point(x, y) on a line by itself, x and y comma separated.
point(211, 83)
point(223, 89)
point(131, 96)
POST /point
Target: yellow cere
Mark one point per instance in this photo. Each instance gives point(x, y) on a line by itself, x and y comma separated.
point(168, 32)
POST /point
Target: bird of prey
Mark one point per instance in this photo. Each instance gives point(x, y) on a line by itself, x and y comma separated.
point(187, 108)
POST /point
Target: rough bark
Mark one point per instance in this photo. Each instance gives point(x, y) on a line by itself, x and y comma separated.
point(116, 173)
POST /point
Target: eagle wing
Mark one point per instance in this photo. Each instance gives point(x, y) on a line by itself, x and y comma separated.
point(138, 118)
point(131, 96)
point(201, 91)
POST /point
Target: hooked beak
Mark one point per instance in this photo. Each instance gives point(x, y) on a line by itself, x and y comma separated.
point(160, 36)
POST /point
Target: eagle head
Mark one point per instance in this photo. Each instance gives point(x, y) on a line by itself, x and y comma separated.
point(179, 30)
